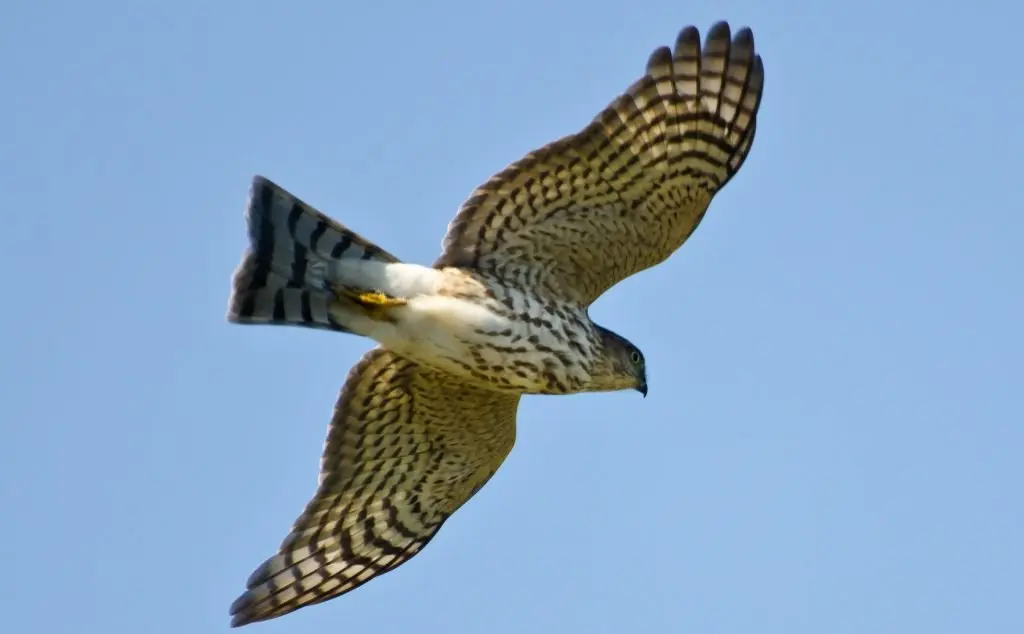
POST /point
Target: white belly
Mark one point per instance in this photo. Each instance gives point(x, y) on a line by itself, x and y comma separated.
point(487, 342)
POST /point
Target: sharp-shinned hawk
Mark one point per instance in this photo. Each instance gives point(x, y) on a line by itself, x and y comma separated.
point(428, 416)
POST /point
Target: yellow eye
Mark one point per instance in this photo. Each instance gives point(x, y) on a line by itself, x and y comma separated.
point(634, 357)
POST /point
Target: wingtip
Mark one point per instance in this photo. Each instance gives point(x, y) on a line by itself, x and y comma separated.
point(240, 621)
point(688, 38)
point(660, 58)
point(744, 36)
point(240, 612)
point(720, 31)
point(720, 34)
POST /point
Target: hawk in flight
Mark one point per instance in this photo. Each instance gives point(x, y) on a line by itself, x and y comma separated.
point(428, 416)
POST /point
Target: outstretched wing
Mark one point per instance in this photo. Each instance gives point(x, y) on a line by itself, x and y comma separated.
point(406, 448)
point(593, 208)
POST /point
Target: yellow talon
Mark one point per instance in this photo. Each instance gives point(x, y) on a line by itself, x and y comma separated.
point(374, 303)
point(375, 298)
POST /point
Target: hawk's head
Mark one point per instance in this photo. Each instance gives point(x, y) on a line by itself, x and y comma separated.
point(623, 366)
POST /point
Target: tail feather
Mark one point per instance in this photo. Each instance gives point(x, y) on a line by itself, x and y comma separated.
point(286, 273)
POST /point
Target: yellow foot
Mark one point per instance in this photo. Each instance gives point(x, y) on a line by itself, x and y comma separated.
point(375, 304)
point(376, 298)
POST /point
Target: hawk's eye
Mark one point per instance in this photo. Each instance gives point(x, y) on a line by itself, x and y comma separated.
point(634, 356)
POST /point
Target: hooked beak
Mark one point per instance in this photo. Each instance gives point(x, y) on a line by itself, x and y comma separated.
point(642, 387)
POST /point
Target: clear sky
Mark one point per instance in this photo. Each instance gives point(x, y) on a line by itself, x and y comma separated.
point(833, 438)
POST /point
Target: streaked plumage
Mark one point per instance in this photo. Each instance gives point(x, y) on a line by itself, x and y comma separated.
point(394, 468)
point(424, 420)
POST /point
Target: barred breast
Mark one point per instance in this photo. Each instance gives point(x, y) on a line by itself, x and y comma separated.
point(496, 335)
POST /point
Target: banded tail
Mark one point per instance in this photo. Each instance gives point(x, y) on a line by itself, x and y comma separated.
point(289, 273)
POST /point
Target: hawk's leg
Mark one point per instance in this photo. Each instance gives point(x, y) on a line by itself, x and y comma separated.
point(374, 304)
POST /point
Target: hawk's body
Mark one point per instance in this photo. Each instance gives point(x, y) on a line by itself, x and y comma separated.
point(474, 325)
point(424, 420)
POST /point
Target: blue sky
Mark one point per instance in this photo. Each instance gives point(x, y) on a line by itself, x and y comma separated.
point(832, 441)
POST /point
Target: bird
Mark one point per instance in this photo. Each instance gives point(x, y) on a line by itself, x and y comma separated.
point(426, 417)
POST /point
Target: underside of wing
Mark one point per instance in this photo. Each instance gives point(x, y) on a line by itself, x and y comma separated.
point(582, 213)
point(406, 447)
